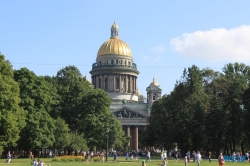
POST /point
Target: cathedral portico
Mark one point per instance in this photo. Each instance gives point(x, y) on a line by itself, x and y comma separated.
point(116, 73)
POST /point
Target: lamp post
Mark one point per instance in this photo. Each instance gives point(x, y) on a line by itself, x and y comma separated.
point(107, 136)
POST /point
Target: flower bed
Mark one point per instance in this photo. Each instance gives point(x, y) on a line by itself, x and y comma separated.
point(73, 158)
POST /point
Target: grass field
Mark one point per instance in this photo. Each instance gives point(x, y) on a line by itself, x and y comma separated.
point(121, 161)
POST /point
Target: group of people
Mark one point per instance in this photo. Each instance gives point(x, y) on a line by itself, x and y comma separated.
point(89, 156)
point(37, 162)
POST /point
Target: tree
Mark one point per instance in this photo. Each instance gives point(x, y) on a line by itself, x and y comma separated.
point(71, 87)
point(61, 133)
point(237, 77)
point(87, 110)
point(38, 98)
point(12, 116)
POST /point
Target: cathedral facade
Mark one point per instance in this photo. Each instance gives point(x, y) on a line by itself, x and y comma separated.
point(115, 72)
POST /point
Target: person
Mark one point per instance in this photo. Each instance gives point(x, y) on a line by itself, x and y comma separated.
point(164, 162)
point(198, 158)
point(148, 156)
point(176, 156)
point(221, 160)
point(127, 156)
point(87, 157)
point(136, 155)
point(209, 156)
point(162, 157)
point(165, 154)
point(247, 156)
point(102, 157)
point(91, 156)
point(115, 155)
point(131, 156)
point(188, 155)
point(34, 162)
point(8, 158)
point(194, 156)
point(186, 161)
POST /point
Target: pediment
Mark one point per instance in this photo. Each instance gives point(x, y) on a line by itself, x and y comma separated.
point(128, 113)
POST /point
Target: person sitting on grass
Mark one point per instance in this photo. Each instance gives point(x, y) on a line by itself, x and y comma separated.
point(164, 162)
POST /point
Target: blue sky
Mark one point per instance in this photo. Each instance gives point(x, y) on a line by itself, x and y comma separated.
point(165, 36)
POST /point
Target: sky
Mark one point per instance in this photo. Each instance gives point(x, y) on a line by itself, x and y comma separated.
point(164, 36)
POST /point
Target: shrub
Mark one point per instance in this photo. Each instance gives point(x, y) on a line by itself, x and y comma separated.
point(55, 159)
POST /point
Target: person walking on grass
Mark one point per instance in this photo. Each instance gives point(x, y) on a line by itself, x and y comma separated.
point(209, 156)
point(102, 157)
point(185, 161)
point(221, 160)
point(188, 155)
point(198, 158)
point(115, 155)
point(148, 156)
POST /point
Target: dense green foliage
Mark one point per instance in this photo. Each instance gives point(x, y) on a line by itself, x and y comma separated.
point(62, 112)
point(207, 110)
point(12, 116)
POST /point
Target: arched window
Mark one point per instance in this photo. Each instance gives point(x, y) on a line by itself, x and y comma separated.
point(154, 97)
point(116, 61)
point(112, 61)
point(103, 62)
point(106, 84)
point(107, 62)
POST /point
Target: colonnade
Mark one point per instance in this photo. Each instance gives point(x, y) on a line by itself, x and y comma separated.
point(134, 131)
point(116, 83)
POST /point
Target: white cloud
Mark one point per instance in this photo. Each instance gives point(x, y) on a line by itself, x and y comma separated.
point(217, 44)
point(160, 49)
point(151, 58)
point(156, 54)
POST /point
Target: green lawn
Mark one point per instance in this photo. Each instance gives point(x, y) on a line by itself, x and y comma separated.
point(121, 161)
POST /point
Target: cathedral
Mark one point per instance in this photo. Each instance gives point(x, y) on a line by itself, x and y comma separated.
point(115, 72)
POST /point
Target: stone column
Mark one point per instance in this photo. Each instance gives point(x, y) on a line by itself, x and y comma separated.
point(128, 133)
point(103, 87)
point(97, 82)
point(126, 81)
point(130, 84)
point(136, 138)
point(134, 83)
point(120, 83)
point(114, 83)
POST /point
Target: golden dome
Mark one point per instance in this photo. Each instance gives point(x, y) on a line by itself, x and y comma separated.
point(114, 46)
point(154, 82)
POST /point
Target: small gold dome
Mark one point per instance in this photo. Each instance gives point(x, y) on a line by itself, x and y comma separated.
point(154, 82)
point(114, 46)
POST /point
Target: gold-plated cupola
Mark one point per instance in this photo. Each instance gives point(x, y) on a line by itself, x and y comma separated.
point(114, 46)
